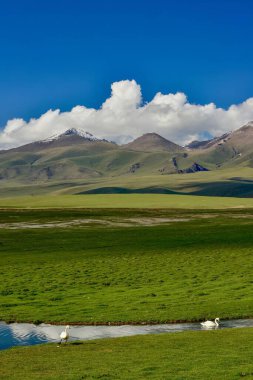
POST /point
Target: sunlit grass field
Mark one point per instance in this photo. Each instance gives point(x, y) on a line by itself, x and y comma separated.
point(191, 269)
point(209, 355)
point(126, 201)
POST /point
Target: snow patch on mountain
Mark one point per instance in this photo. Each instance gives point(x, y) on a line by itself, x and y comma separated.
point(73, 132)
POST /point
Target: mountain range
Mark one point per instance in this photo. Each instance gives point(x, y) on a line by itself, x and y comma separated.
point(76, 156)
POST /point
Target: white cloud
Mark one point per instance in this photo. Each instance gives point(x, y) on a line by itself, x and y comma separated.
point(124, 116)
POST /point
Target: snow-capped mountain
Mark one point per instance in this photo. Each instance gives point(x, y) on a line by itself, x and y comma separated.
point(70, 138)
point(73, 132)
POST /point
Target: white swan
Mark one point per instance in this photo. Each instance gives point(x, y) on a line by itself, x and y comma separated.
point(211, 323)
point(64, 335)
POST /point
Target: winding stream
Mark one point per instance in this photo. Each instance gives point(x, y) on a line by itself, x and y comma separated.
point(27, 334)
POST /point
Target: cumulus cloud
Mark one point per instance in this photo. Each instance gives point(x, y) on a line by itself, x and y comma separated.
point(124, 116)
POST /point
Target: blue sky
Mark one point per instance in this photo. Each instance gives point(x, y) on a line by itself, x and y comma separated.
point(60, 53)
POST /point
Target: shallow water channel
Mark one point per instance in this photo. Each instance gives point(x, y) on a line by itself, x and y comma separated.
point(27, 334)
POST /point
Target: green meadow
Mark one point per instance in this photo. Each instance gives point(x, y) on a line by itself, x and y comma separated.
point(128, 265)
point(101, 201)
point(125, 265)
point(209, 355)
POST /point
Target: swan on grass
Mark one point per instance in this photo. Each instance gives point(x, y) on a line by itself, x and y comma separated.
point(64, 335)
point(211, 323)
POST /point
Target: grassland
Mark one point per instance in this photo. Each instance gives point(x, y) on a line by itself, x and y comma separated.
point(126, 201)
point(197, 265)
point(128, 265)
point(209, 355)
point(230, 182)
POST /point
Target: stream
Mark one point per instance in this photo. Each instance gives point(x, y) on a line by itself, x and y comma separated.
point(27, 334)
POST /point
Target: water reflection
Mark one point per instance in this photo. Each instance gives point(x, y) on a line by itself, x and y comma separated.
point(24, 334)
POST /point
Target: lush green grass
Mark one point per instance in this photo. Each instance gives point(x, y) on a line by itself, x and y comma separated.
point(209, 355)
point(126, 201)
point(184, 270)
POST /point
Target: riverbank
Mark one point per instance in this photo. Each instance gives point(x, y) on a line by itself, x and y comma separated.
point(121, 323)
point(212, 355)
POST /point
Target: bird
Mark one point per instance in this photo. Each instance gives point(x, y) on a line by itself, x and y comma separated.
point(211, 323)
point(64, 335)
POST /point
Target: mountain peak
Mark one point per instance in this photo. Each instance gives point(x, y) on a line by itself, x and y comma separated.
point(68, 138)
point(246, 127)
point(153, 142)
point(72, 132)
point(151, 136)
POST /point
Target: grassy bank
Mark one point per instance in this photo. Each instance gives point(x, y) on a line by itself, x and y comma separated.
point(210, 355)
point(126, 201)
point(183, 270)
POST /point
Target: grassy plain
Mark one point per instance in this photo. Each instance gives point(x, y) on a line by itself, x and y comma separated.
point(126, 201)
point(197, 264)
point(209, 355)
point(229, 182)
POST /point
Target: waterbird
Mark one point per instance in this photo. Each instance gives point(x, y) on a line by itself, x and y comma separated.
point(211, 323)
point(64, 335)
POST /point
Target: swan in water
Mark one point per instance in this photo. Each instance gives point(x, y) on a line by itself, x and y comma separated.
point(211, 323)
point(64, 335)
